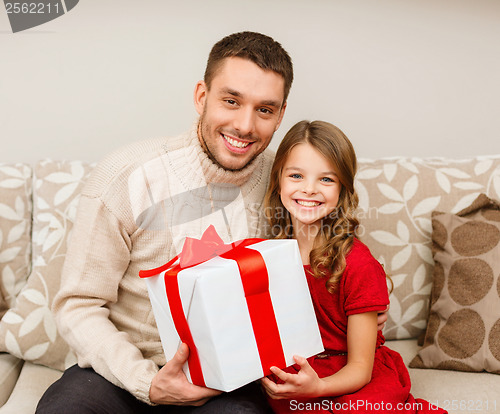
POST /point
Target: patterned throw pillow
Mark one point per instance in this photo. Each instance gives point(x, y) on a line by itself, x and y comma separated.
point(397, 197)
point(463, 332)
point(15, 230)
point(28, 330)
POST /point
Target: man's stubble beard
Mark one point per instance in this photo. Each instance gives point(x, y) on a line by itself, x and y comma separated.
point(207, 150)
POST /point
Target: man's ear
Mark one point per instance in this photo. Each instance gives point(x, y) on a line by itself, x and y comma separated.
point(200, 96)
point(282, 113)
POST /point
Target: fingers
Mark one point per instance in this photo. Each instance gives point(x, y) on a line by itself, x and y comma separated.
point(382, 318)
point(181, 356)
point(286, 377)
point(282, 375)
point(268, 384)
point(303, 364)
point(203, 393)
point(271, 388)
point(290, 381)
point(174, 389)
point(301, 361)
point(304, 383)
point(183, 349)
point(170, 385)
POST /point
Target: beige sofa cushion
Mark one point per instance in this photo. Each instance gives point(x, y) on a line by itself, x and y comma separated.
point(10, 367)
point(397, 197)
point(463, 332)
point(32, 383)
point(457, 392)
point(28, 330)
point(15, 230)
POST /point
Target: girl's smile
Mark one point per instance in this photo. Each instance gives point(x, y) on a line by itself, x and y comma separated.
point(308, 203)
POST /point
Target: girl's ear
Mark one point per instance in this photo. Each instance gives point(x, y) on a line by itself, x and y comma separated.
point(200, 96)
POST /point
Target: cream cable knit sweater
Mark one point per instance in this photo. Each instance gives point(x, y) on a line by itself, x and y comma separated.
point(134, 213)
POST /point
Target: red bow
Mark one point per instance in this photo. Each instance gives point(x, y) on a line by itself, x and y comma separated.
point(197, 251)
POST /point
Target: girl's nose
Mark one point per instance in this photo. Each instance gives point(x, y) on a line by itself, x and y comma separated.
point(309, 188)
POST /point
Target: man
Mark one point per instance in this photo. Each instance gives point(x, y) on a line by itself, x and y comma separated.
point(134, 213)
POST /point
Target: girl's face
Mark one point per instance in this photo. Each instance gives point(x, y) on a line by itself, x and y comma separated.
point(309, 186)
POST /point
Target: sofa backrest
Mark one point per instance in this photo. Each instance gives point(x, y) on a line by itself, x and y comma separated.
point(397, 197)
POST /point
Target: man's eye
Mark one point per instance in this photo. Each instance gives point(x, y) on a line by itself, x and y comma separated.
point(231, 102)
point(265, 111)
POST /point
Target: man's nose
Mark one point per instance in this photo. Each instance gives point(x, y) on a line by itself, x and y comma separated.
point(245, 122)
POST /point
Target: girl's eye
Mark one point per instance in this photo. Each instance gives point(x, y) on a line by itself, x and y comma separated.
point(327, 179)
point(296, 175)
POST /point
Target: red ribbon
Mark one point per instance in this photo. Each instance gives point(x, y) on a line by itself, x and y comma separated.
point(255, 282)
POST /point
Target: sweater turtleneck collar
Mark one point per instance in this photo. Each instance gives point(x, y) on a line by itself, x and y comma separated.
point(196, 157)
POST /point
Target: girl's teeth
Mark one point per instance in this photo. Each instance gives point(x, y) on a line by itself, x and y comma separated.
point(235, 143)
point(308, 203)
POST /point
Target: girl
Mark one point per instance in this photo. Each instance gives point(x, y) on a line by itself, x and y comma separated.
point(311, 198)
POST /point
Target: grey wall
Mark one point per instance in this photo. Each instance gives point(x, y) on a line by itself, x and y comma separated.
point(400, 77)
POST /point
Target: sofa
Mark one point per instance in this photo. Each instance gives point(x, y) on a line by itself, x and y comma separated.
point(407, 205)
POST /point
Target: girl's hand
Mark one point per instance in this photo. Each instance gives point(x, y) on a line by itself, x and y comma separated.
point(304, 384)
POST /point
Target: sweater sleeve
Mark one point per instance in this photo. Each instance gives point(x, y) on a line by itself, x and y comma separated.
point(97, 259)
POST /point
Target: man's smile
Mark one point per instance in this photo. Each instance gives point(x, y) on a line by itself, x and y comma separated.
point(235, 144)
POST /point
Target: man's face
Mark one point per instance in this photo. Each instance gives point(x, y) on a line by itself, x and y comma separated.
point(240, 112)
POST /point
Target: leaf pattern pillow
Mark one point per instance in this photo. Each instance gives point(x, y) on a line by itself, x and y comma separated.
point(397, 197)
point(15, 231)
point(28, 330)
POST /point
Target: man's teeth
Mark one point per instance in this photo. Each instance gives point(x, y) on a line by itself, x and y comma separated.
point(308, 203)
point(235, 143)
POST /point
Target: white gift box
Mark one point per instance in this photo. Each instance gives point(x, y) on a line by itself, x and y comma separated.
point(214, 304)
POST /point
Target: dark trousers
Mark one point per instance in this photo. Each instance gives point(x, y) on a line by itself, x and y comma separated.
point(82, 390)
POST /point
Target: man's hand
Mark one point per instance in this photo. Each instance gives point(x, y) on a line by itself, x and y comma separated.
point(170, 386)
point(382, 319)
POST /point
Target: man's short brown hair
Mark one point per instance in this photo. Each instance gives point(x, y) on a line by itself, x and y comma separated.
point(262, 50)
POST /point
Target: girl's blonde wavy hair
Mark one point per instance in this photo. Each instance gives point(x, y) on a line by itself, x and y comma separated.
point(335, 238)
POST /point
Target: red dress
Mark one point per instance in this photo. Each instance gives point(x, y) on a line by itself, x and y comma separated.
point(362, 288)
